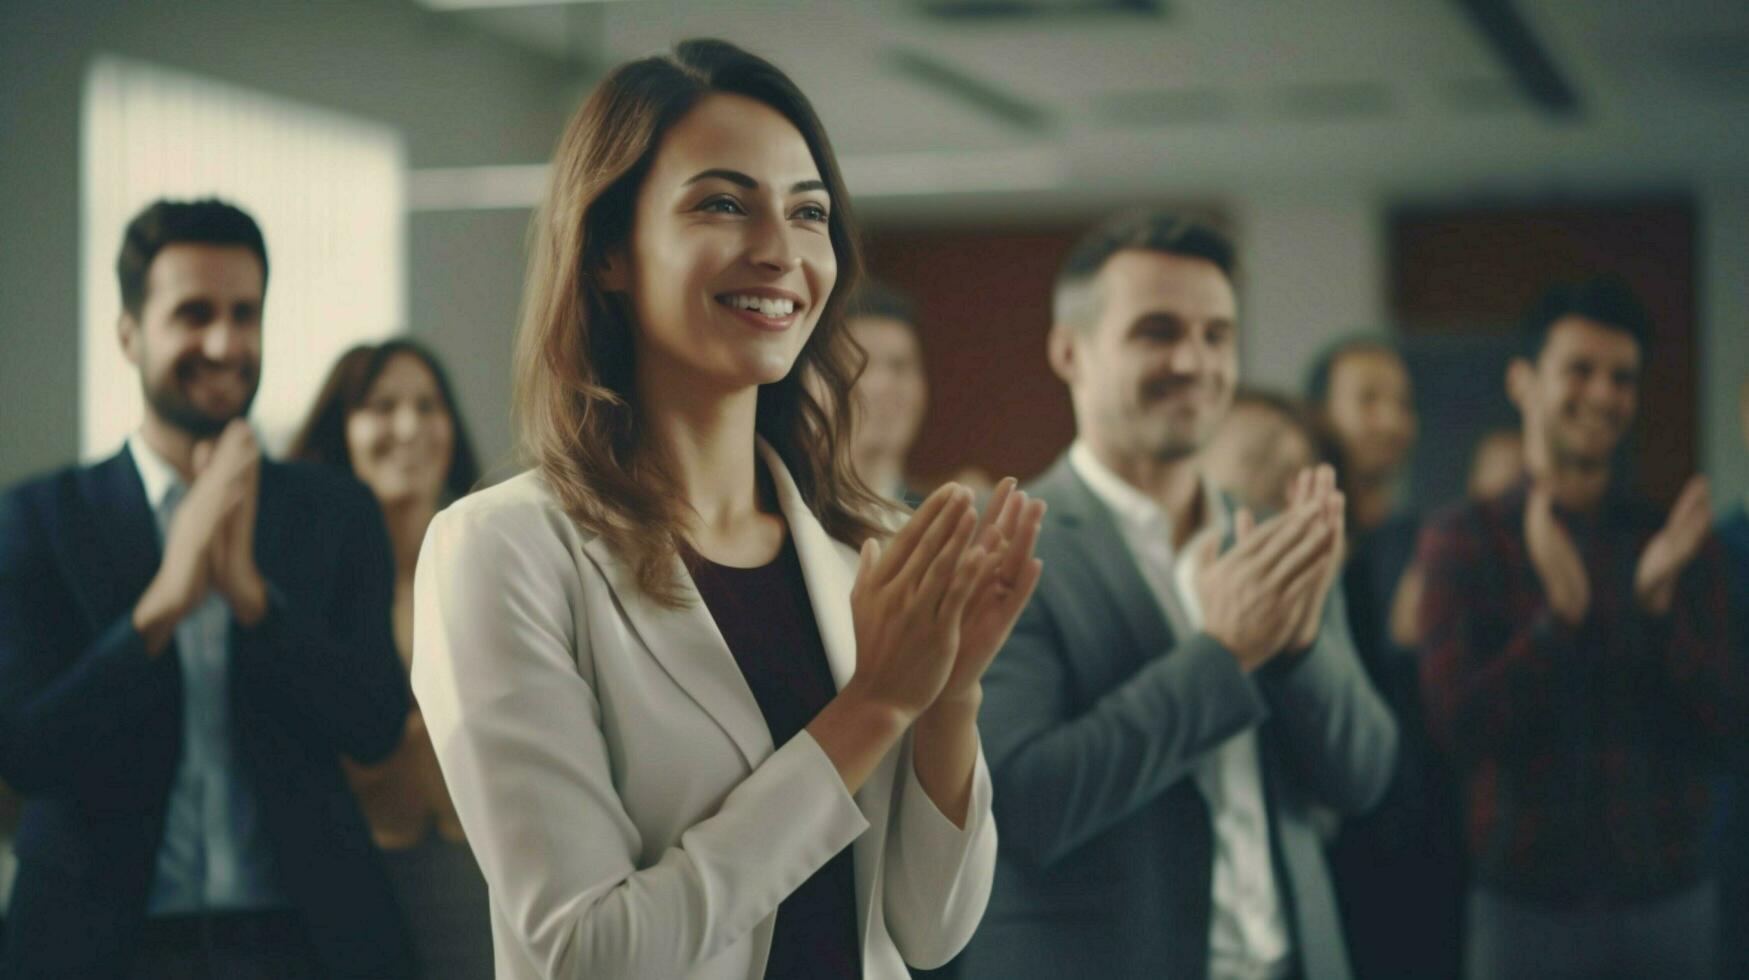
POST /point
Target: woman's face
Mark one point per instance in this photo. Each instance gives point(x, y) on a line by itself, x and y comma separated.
point(1372, 411)
point(401, 438)
point(730, 260)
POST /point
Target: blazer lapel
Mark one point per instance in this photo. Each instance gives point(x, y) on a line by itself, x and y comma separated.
point(117, 535)
point(690, 648)
point(1102, 549)
point(826, 567)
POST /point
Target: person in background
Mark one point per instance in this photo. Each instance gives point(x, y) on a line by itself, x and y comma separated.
point(1577, 671)
point(1181, 693)
point(1359, 392)
point(892, 393)
point(1398, 869)
point(1733, 823)
point(1496, 465)
point(1260, 446)
point(192, 636)
point(387, 416)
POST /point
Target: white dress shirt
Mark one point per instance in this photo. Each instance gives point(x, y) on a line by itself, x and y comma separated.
point(1248, 933)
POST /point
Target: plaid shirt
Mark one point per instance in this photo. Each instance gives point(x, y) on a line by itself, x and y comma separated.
point(1584, 751)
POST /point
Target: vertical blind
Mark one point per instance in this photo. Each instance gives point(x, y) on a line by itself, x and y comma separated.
point(326, 189)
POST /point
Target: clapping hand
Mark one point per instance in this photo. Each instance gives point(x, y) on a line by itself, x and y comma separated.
point(907, 601)
point(1672, 548)
point(1254, 596)
point(1556, 560)
point(236, 459)
point(1315, 487)
point(1006, 574)
point(210, 541)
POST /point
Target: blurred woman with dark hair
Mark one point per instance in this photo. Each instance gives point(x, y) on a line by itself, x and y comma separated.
point(388, 416)
point(702, 715)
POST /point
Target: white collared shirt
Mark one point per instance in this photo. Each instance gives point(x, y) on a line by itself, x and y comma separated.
point(1248, 933)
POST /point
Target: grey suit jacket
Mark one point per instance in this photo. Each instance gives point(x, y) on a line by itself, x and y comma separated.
point(1094, 716)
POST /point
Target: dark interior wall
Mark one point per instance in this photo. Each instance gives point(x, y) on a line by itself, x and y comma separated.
point(1462, 278)
point(983, 305)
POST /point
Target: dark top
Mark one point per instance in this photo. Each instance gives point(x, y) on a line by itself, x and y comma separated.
point(1399, 868)
point(1731, 826)
point(1584, 751)
point(90, 725)
point(768, 623)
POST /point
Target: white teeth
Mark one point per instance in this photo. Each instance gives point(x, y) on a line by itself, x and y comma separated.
point(761, 305)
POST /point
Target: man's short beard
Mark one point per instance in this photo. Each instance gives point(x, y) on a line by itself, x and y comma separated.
point(1173, 449)
point(168, 404)
point(1174, 452)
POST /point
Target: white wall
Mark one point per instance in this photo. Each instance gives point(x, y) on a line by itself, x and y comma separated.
point(457, 99)
point(1312, 269)
point(1724, 341)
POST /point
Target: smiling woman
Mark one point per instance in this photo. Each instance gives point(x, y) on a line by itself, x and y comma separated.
point(729, 120)
point(388, 417)
point(690, 730)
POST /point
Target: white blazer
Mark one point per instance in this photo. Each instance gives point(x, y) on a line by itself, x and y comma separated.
point(615, 775)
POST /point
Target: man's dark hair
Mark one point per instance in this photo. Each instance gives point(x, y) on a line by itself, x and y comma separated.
point(1318, 378)
point(1149, 231)
point(1607, 300)
point(162, 223)
point(876, 298)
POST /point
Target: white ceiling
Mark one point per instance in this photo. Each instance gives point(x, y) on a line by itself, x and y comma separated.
point(1397, 95)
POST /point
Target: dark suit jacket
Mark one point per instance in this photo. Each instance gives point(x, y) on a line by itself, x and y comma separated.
point(1094, 716)
point(90, 726)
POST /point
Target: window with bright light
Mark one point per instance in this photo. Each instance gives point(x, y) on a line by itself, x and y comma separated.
point(326, 189)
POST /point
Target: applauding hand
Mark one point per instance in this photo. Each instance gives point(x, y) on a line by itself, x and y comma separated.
point(907, 602)
point(210, 541)
point(1315, 487)
point(236, 457)
point(1672, 548)
point(1556, 560)
point(1006, 574)
point(1253, 597)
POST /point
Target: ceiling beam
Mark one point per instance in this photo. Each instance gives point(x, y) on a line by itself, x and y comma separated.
point(984, 96)
point(1532, 68)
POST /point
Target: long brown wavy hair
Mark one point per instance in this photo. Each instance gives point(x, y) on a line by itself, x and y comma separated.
point(575, 400)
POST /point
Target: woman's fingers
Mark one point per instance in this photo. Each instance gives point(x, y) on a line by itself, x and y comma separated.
point(969, 579)
point(1021, 543)
point(1029, 576)
point(944, 560)
point(996, 506)
point(949, 496)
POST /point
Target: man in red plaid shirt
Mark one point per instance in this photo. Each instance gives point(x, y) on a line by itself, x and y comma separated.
point(1577, 670)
